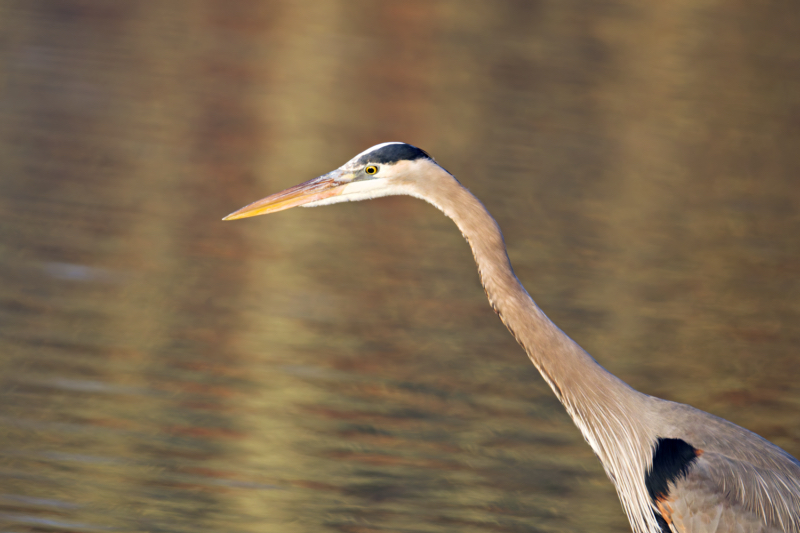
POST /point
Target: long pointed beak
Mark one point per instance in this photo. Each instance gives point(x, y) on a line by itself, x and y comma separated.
point(331, 184)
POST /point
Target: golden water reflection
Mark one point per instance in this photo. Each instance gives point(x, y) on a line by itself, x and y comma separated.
point(339, 369)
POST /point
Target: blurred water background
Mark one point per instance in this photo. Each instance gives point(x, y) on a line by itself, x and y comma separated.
point(339, 369)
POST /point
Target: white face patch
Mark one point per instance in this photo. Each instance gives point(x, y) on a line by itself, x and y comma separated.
point(388, 182)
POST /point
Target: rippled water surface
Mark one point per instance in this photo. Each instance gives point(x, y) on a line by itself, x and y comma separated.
point(339, 369)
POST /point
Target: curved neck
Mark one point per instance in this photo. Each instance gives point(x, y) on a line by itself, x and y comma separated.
point(565, 366)
point(608, 412)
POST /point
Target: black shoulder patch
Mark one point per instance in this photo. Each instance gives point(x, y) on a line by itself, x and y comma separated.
point(671, 461)
point(663, 525)
point(392, 153)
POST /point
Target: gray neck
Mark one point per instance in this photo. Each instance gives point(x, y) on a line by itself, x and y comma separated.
point(606, 410)
point(565, 366)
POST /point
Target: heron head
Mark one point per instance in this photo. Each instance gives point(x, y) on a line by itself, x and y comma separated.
point(384, 170)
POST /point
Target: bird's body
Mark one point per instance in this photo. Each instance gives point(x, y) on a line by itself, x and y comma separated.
point(676, 468)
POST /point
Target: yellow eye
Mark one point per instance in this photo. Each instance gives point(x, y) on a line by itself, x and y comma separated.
point(372, 169)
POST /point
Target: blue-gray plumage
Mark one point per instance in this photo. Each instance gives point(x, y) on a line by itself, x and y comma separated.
point(676, 469)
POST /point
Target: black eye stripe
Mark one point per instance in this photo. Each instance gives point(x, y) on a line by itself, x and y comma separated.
point(392, 153)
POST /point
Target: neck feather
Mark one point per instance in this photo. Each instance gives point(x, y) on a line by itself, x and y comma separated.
point(610, 414)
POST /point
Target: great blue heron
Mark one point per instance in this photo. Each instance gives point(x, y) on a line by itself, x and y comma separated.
point(675, 468)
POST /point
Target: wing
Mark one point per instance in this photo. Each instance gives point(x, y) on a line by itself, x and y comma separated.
point(723, 494)
point(739, 482)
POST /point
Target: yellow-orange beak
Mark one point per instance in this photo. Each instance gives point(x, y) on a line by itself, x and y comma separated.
point(331, 184)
